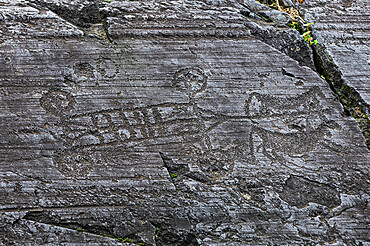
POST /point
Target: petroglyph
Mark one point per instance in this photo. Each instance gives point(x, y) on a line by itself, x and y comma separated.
point(74, 164)
point(291, 126)
point(129, 127)
point(94, 132)
point(276, 145)
point(86, 72)
point(190, 80)
point(123, 126)
point(261, 105)
point(290, 110)
point(137, 126)
point(57, 102)
point(278, 129)
point(83, 69)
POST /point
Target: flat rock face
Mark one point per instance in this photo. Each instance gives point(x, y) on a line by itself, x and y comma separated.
point(343, 28)
point(170, 123)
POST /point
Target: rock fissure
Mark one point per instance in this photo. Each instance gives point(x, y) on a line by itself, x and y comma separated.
point(351, 100)
point(105, 30)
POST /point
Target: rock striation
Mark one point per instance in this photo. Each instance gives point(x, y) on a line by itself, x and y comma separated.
point(343, 54)
point(178, 123)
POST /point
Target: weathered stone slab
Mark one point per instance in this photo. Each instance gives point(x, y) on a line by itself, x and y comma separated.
point(170, 134)
point(342, 27)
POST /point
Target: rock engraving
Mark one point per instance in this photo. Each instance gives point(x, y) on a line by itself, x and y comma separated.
point(190, 80)
point(134, 142)
point(137, 126)
point(307, 104)
point(276, 145)
point(301, 118)
point(125, 127)
point(57, 102)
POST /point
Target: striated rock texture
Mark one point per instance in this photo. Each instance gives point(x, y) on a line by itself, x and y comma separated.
point(343, 54)
point(343, 28)
point(175, 123)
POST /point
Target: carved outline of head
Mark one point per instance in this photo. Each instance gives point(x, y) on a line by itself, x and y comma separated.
point(84, 69)
point(328, 125)
point(190, 80)
point(57, 102)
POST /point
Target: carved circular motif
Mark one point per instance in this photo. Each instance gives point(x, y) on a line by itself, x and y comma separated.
point(57, 102)
point(84, 69)
point(191, 80)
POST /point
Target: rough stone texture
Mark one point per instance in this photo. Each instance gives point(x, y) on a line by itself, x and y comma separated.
point(171, 123)
point(343, 29)
point(343, 54)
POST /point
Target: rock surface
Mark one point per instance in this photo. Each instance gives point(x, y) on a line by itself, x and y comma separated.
point(173, 123)
point(343, 55)
point(343, 28)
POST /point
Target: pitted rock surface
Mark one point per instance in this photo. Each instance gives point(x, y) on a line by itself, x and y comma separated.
point(171, 123)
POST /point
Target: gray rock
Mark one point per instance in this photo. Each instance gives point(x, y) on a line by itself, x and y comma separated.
point(341, 29)
point(170, 123)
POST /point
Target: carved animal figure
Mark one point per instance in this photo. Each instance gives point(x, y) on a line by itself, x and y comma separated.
point(261, 106)
point(276, 145)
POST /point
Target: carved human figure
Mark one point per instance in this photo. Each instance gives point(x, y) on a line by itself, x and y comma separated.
point(125, 126)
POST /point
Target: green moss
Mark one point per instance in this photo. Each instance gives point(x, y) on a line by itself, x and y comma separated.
point(173, 176)
point(305, 32)
point(297, 26)
point(80, 229)
point(126, 240)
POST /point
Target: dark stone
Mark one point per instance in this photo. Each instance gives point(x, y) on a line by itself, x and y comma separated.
point(172, 123)
point(300, 191)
